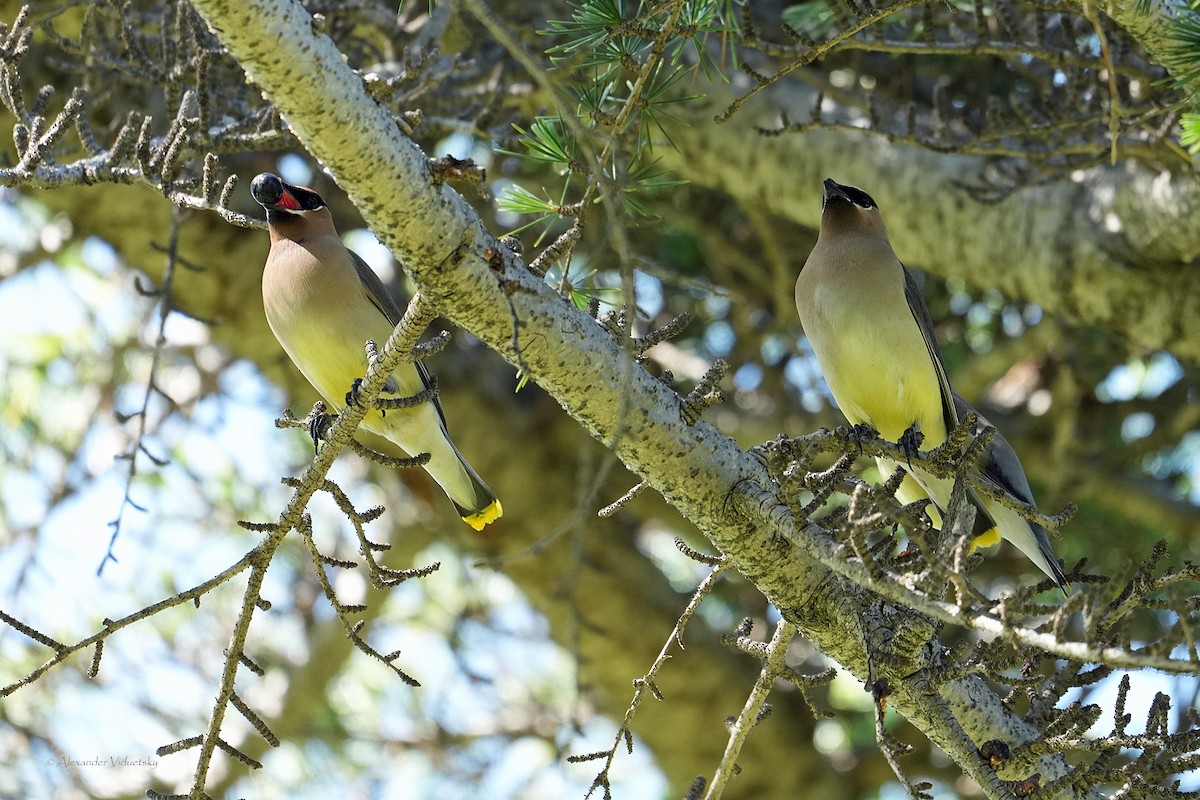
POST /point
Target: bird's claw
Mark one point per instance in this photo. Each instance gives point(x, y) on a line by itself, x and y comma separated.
point(352, 395)
point(860, 433)
point(910, 442)
point(319, 424)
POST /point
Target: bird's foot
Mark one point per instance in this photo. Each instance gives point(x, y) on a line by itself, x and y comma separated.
point(910, 442)
point(860, 433)
point(319, 423)
point(352, 395)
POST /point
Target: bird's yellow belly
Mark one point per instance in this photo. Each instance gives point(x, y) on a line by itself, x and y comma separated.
point(328, 360)
point(330, 368)
point(321, 319)
point(883, 375)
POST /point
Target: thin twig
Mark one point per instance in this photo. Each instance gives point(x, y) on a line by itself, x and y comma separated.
point(138, 446)
point(773, 667)
point(646, 684)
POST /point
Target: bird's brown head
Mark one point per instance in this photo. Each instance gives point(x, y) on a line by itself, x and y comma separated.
point(848, 208)
point(291, 210)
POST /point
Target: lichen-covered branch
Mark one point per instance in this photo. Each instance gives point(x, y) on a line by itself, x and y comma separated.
point(483, 287)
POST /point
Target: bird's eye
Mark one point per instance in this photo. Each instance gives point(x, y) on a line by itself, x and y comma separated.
point(307, 198)
point(859, 197)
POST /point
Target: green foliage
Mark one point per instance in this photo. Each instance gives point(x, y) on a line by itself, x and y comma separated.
point(547, 141)
point(621, 66)
point(589, 27)
point(815, 20)
point(519, 200)
point(1182, 55)
point(577, 283)
point(644, 176)
point(1184, 49)
point(1190, 135)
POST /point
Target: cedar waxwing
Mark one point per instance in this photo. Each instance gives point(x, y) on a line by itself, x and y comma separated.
point(323, 303)
point(868, 325)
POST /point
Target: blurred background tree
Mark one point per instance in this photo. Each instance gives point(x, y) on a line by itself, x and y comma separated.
point(1030, 158)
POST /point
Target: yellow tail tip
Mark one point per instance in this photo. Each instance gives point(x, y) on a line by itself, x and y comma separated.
point(989, 538)
point(480, 518)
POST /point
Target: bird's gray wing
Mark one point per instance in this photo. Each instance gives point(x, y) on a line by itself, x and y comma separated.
point(1000, 465)
point(379, 297)
point(920, 312)
point(950, 414)
point(373, 287)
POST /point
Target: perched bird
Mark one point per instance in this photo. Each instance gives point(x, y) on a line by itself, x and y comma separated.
point(323, 303)
point(868, 325)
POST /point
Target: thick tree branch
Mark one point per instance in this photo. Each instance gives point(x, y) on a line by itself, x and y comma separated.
point(480, 285)
point(1113, 247)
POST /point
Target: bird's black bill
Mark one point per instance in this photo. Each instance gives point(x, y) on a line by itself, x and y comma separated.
point(269, 191)
point(835, 191)
point(266, 189)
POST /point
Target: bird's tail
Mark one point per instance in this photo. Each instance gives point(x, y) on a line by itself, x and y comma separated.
point(492, 512)
point(1047, 552)
point(485, 509)
point(1032, 540)
point(476, 503)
